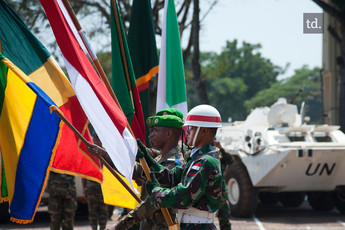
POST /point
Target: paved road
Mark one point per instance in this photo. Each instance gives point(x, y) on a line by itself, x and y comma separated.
point(278, 217)
point(267, 218)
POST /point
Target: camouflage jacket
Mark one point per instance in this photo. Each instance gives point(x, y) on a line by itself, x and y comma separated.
point(145, 209)
point(225, 159)
point(174, 157)
point(197, 184)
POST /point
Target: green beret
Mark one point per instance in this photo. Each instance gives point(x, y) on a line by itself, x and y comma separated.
point(170, 111)
point(168, 121)
point(149, 121)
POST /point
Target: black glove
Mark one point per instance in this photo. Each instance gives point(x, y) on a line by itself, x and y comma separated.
point(150, 185)
point(142, 152)
point(139, 155)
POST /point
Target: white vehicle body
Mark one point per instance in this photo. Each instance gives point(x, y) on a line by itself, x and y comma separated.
point(282, 153)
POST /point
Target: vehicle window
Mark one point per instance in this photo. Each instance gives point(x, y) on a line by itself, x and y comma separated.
point(296, 138)
point(323, 138)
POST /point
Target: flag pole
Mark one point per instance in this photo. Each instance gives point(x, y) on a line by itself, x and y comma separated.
point(58, 112)
point(123, 55)
point(143, 162)
point(100, 70)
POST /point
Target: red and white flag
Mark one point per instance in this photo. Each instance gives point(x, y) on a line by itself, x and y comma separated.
point(104, 114)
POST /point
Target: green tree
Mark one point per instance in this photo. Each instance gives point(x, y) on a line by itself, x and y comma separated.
point(306, 79)
point(236, 75)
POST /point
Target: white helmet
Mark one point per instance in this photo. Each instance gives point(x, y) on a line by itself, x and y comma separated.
point(204, 116)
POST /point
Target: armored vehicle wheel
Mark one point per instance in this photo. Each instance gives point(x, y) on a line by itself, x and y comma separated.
point(321, 201)
point(291, 199)
point(339, 200)
point(269, 198)
point(243, 197)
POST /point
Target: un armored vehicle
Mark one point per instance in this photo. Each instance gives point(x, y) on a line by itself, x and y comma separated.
point(281, 158)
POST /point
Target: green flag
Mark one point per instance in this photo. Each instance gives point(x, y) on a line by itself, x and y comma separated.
point(123, 77)
point(142, 42)
point(171, 89)
point(143, 50)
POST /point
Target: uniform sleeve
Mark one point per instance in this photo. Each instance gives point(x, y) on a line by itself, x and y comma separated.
point(224, 209)
point(227, 159)
point(169, 177)
point(186, 193)
point(138, 175)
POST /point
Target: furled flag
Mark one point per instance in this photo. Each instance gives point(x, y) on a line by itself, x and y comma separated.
point(104, 114)
point(25, 51)
point(171, 89)
point(142, 46)
point(123, 78)
point(29, 136)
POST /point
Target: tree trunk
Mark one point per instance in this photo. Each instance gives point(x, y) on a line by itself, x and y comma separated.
point(197, 78)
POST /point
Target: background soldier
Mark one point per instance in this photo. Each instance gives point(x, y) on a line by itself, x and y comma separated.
point(62, 201)
point(223, 215)
point(196, 187)
point(98, 210)
point(166, 133)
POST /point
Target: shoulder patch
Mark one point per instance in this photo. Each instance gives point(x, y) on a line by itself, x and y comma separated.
point(196, 166)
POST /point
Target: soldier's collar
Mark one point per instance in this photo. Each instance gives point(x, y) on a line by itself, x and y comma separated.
point(201, 151)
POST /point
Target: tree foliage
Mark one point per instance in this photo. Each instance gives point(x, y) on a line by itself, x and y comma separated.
point(234, 75)
point(306, 79)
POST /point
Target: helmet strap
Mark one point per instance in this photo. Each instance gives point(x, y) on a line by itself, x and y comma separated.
point(195, 136)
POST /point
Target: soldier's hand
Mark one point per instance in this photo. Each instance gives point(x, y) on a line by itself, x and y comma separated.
point(142, 152)
point(139, 155)
point(140, 181)
point(142, 147)
point(96, 151)
point(150, 185)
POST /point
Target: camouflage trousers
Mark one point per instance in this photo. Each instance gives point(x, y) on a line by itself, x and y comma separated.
point(224, 213)
point(61, 207)
point(98, 210)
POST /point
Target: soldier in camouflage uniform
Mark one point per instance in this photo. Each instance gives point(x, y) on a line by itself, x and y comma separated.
point(196, 187)
point(224, 209)
point(62, 201)
point(166, 133)
point(98, 210)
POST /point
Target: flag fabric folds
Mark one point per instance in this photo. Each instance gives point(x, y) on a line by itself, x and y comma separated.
point(142, 46)
point(29, 138)
point(142, 43)
point(114, 193)
point(105, 116)
point(171, 89)
point(25, 51)
point(123, 77)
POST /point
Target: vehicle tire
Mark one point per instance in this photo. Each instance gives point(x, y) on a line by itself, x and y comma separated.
point(243, 197)
point(291, 199)
point(339, 200)
point(270, 198)
point(321, 201)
